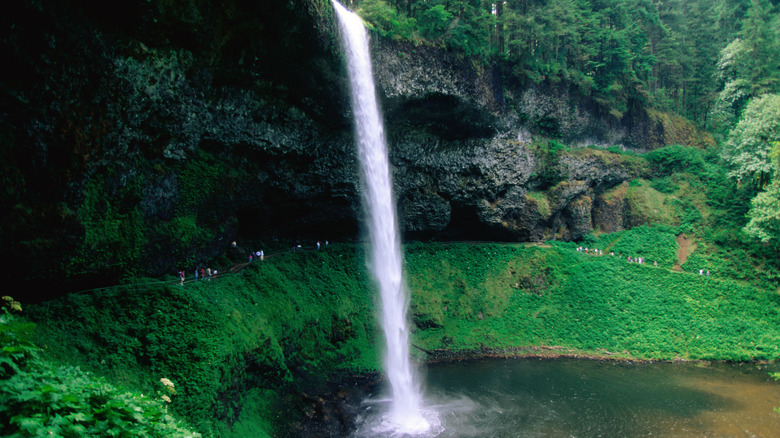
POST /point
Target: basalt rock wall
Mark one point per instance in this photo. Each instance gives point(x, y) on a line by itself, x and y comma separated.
point(140, 139)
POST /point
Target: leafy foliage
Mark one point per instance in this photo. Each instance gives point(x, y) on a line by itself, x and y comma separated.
point(549, 172)
point(282, 324)
point(623, 53)
point(765, 214)
point(751, 141)
point(42, 399)
point(113, 229)
point(384, 20)
point(676, 158)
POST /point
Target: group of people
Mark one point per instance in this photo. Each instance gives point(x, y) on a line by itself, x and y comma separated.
point(203, 273)
point(594, 251)
point(639, 260)
point(299, 247)
point(200, 273)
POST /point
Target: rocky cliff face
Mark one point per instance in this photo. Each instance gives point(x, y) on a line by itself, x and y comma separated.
point(141, 143)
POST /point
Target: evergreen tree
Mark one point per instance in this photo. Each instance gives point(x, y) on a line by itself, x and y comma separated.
point(702, 59)
point(762, 63)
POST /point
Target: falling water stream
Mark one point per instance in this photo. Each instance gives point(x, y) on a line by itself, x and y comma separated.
point(522, 397)
point(405, 414)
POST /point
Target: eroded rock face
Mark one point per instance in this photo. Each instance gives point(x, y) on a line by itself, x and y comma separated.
point(466, 167)
point(144, 148)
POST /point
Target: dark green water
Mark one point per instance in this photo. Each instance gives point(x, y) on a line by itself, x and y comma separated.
point(586, 398)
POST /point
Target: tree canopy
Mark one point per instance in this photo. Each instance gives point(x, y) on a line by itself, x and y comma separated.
point(751, 141)
point(712, 61)
point(623, 53)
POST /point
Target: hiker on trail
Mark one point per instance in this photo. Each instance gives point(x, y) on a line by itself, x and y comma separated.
point(262, 255)
point(202, 272)
point(318, 245)
point(708, 272)
point(181, 277)
point(196, 274)
point(250, 258)
point(655, 263)
point(208, 272)
point(701, 271)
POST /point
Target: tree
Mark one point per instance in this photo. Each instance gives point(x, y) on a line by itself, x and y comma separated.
point(383, 19)
point(750, 142)
point(761, 42)
point(736, 89)
point(765, 214)
point(748, 66)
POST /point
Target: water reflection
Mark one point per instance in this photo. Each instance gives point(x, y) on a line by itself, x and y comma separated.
point(581, 398)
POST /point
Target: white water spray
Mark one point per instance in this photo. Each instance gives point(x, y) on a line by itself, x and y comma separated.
point(405, 416)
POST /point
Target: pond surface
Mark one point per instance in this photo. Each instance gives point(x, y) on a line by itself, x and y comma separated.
point(588, 398)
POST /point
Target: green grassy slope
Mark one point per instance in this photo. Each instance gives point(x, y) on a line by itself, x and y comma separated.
point(510, 296)
point(233, 345)
point(236, 345)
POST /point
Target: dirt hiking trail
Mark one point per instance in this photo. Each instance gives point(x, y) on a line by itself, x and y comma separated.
point(686, 247)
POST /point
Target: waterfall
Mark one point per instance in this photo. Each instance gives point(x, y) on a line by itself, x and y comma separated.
point(386, 260)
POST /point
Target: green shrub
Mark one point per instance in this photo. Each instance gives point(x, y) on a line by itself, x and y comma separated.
point(384, 20)
point(649, 206)
point(44, 400)
point(38, 398)
point(113, 234)
point(676, 158)
point(549, 171)
point(664, 185)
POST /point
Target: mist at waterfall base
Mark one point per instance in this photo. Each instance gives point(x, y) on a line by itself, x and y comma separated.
point(405, 415)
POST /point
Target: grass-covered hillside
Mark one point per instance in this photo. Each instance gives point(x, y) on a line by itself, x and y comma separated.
point(229, 344)
point(248, 351)
point(238, 346)
point(510, 297)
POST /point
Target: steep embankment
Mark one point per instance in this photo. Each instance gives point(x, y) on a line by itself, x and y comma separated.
point(234, 346)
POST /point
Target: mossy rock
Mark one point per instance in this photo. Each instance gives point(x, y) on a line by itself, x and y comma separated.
point(610, 208)
point(540, 201)
point(673, 129)
point(647, 205)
